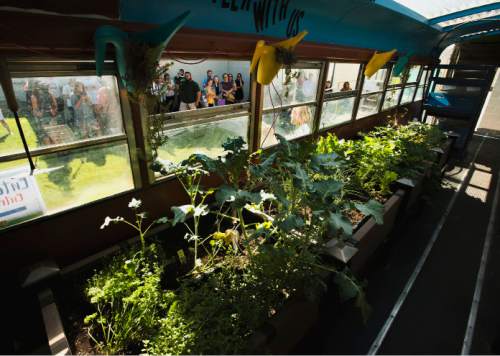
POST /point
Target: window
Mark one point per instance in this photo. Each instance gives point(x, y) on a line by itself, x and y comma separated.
point(391, 98)
point(222, 113)
point(376, 82)
point(408, 94)
point(336, 112)
point(413, 72)
point(299, 86)
point(197, 85)
point(185, 139)
point(420, 94)
point(396, 79)
point(369, 105)
point(290, 123)
point(290, 103)
point(75, 132)
point(342, 77)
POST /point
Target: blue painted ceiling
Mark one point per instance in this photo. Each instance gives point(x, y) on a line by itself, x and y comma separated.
point(376, 24)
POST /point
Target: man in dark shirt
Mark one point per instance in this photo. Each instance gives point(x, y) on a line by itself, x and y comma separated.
point(189, 93)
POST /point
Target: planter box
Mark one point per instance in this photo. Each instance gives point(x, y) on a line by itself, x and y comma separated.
point(370, 235)
point(286, 329)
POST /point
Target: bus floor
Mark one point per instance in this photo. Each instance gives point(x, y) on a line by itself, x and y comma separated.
point(434, 314)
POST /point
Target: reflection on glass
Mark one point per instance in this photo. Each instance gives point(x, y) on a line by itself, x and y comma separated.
point(202, 138)
point(424, 77)
point(62, 181)
point(59, 110)
point(396, 79)
point(413, 73)
point(211, 83)
point(342, 77)
point(289, 123)
point(375, 82)
point(369, 105)
point(300, 86)
point(391, 98)
point(408, 95)
point(336, 112)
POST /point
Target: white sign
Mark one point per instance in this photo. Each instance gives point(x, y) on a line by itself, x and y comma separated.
point(20, 197)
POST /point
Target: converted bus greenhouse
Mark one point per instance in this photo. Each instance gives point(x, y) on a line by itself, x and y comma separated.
point(250, 176)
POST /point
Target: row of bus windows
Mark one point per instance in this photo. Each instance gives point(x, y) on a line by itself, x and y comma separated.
point(75, 127)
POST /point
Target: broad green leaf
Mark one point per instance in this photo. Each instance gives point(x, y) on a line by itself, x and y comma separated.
point(339, 222)
point(181, 213)
point(325, 160)
point(328, 187)
point(372, 208)
point(290, 223)
point(225, 193)
point(234, 144)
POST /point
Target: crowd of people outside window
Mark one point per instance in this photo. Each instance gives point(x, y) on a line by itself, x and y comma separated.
point(80, 107)
point(183, 93)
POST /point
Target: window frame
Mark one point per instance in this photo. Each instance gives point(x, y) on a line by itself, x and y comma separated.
point(32, 68)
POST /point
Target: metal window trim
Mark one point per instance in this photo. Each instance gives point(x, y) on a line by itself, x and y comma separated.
point(65, 147)
point(206, 112)
point(359, 84)
point(203, 120)
point(320, 94)
point(291, 106)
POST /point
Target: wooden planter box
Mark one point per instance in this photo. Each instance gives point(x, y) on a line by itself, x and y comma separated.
point(286, 329)
point(368, 238)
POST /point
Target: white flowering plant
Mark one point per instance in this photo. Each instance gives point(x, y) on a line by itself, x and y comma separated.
point(138, 224)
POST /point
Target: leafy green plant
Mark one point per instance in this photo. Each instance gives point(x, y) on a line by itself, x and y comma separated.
point(128, 300)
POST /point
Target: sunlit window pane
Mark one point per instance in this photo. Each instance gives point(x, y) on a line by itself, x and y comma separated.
point(420, 94)
point(290, 123)
point(342, 77)
point(413, 73)
point(391, 98)
point(300, 86)
point(61, 110)
point(188, 85)
point(204, 138)
point(369, 105)
point(375, 82)
point(62, 180)
point(408, 95)
point(336, 112)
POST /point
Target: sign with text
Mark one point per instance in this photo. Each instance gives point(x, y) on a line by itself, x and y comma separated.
point(20, 197)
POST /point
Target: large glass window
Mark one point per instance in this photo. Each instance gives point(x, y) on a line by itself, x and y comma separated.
point(179, 131)
point(62, 110)
point(408, 94)
point(376, 82)
point(369, 105)
point(74, 129)
point(336, 112)
point(391, 98)
point(290, 103)
point(396, 79)
point(413, 72)
point(290, 123)
point(342, 77)
point(206, 138)
point(191, 85)
point(297, 86)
